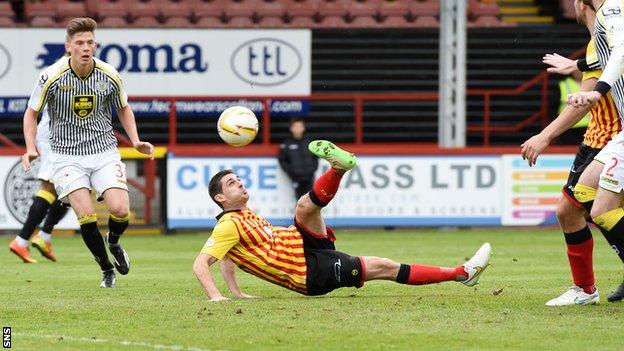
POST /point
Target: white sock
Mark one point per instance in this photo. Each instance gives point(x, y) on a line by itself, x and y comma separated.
point(21, 242)
point(45, 236)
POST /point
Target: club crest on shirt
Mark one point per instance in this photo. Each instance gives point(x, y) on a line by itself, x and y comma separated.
point(210, 242)
point(83, 105)
point(101, 86)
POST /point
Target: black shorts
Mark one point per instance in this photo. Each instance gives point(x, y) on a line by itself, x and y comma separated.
point(584, 157)
point(328, 269)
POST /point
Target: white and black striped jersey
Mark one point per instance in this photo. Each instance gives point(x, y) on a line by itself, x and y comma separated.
point(609, 36)
point(80, 109)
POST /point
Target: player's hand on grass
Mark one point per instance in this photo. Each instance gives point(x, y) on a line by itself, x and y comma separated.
point(560, 64)
point(145, 148)
point(27, 159)
point(583, 98)
point(534, 147)
point(219, 298)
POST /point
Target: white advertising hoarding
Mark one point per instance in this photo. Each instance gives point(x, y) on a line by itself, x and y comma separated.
point(18, 190)
point(172, 62)
point(380, 191)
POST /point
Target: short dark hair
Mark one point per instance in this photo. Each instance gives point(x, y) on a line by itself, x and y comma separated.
point(79, 25)
point(215, 187)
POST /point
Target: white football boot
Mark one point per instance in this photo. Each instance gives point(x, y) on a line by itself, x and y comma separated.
point(575, 296)
point(477, 264)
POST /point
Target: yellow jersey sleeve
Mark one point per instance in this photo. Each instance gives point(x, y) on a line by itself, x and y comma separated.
point(224, 237)
point(592, 61)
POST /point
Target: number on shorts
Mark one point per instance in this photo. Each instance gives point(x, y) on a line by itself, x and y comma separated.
point(614, 163)
point(119, 170)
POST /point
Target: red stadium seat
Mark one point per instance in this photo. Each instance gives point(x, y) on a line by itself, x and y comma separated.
point(177, 22)
point(39, 9)
point(68, 10)
point(43, 21)
point(6, 21)
point(271, 22)
point(332, 9)
point(332, 22)
point(270, 9)
point(215, 8)
point(113, 22)
point(307, 8)
point(176, 9)
point(487, 21)
point(240, 22)
point(210, 22)
point(426, 22)
point(145, 22)
point(240, 9)
point(427, 8)
point(143, 9)
point(396, 22)
point(477, 9)
point(394, 8)
point(302, 22)
point(115, 9)
point(364, 22)
point(368, 8)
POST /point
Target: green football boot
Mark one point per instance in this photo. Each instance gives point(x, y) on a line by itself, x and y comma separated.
point(338, 158)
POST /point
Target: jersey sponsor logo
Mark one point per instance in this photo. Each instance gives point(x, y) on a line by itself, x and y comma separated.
point(609, 180)
point(5, 61)
point(20, 188)
point(66, 87)
point(266, 62)
point(83, 105)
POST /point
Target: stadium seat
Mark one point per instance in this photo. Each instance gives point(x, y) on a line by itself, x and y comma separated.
point(368, 8)
point(39, 9)
point(140, 9)
point(487, 21)
point(176, 9)
point(145, 22)
point(113, 22)
point(240, 22)
point(301, 22)
point(7, 17)
point(177, 22)
point(427, 8)
point(271, 22)
point(477, 9)
point(215, 8)
point(394, 8)
point(114, 9)
point(67, 10)
point(426, 22)
point(210, 22)
point(270, 9)
point(43, 21)
point(363, 22)
point(332, 22)
point(332, 9)
point(396, 22)
point(245, 8)
point(306, 8)
point(6, 21)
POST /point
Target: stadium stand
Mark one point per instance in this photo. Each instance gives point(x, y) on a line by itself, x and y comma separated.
point(7, 16)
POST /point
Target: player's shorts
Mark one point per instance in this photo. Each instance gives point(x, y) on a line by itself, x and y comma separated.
point(100, 171)
point(45, 166)
point(612, 156)
point(584, 157)
point(328, 269)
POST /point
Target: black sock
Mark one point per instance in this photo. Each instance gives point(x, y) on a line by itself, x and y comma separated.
point(94, 241)
point(616, 242)
point(116, 227)
point(37, 212)
point(55, 214)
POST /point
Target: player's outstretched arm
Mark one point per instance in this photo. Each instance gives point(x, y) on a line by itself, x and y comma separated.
point(126, 117)
point(30, 136)
point(228, 273)
point(560, 64)
point(201, 268)
point(535, 145)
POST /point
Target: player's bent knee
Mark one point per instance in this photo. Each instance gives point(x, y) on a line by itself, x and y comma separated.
point(119, 210)
point(567, 211)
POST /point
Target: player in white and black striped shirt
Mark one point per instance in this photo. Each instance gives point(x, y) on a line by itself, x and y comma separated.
point(79, 92)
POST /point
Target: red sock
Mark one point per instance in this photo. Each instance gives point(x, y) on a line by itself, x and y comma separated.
point(421, 275)
point(327, 186)
point(582, 265)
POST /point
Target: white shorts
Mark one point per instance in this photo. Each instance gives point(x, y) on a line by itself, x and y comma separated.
point(45, 166)
point(100, 171)
point(612, 156)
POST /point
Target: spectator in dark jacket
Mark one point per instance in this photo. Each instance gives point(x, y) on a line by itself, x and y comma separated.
point(296, 160)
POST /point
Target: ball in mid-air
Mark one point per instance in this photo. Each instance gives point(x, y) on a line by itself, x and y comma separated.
point(237, 126)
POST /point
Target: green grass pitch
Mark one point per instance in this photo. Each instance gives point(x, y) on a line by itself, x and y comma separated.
point(160, 306)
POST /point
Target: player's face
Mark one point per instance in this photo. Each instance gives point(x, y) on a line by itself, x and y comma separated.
point(234, 192)
point(81, 46)
point(297, 129)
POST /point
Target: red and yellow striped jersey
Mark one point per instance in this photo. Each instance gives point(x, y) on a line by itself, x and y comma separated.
point(272, 253)
point(605, 122)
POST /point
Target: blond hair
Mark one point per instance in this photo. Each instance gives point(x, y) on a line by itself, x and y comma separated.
point(79, 25)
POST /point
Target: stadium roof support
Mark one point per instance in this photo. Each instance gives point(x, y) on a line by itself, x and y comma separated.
point(452, 81)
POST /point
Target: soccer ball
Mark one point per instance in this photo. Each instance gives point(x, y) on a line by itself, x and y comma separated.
point(237, 126)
